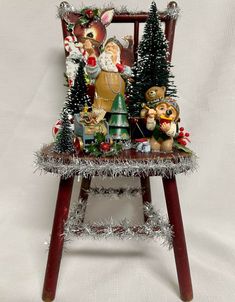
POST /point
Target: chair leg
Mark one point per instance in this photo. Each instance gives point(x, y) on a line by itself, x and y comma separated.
point(83, 195)
point(57, 239)
point(179, 243)
point(146, 191)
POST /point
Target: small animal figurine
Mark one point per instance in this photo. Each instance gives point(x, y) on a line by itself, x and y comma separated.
point(152, 94)
point(162, 120)
point(88, 26)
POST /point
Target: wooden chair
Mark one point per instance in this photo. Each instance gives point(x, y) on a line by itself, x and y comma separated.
point(178, 162)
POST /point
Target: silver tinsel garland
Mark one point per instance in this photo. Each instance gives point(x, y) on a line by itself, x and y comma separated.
point(66, 8)
point(128, 192)
point(159, 166)
point(156, 227)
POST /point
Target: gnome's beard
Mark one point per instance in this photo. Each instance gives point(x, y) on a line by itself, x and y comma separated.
point(106, 63)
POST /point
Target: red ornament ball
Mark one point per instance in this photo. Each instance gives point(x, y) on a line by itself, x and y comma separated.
point(187, 134)
point(105, 147)
point(181, 134)
point(77, 144)
point(181, 128)
point(89, 13)
point(184, 143)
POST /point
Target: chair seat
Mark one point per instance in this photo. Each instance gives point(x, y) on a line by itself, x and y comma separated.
point(127, 163)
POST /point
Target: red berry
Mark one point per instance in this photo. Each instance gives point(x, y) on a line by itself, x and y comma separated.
point(181, 128)
point(89, 13)
point(105, 147)
point(184, 143)
point(179, 140)
point(187, 134)
point(181, 134)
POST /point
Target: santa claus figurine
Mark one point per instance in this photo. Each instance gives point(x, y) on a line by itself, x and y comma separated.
point(109, 74)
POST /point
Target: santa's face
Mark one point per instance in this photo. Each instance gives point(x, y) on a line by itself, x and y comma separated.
point(112, 47)
point(110, 57)
point(166, 110)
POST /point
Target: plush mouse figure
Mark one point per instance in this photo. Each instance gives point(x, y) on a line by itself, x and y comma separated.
point(152, 94)
point(162, 120)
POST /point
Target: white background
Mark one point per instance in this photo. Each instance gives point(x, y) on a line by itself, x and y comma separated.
point(32, 93)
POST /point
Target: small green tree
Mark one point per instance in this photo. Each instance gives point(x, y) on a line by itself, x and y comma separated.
point(118, 122)
point(77, 96)
point(152, 67)
point(64, 138)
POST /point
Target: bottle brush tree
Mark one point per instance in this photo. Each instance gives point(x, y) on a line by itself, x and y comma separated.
point(152, 67)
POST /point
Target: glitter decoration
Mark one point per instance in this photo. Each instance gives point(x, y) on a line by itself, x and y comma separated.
point(155, 227)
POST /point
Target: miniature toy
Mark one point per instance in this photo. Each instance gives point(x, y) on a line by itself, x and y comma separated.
point(87, 124)
point(143, 147)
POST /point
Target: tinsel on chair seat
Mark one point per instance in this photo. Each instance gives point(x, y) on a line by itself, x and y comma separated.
point(155, 227)
point(128, 163)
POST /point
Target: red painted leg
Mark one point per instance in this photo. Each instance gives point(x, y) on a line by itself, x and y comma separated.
point(85, 186)
point(179, 244)
point(57, 239)
point(146, 191)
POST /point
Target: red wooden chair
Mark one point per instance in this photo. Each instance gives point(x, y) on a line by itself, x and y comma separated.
point(176, 163)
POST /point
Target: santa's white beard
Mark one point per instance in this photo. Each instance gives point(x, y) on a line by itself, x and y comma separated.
point(106, 63)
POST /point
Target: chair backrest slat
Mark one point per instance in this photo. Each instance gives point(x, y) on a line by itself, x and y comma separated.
point(136, 19)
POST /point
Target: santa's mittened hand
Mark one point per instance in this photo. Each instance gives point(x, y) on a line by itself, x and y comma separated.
point(91, 61)
point(120, 67)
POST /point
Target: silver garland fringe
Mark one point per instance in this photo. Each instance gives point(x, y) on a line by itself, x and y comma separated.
point(158, 166)
point(156, 227)
point(65, 8)
point(116, 193)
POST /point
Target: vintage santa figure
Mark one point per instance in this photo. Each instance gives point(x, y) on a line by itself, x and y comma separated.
point(109, 74)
